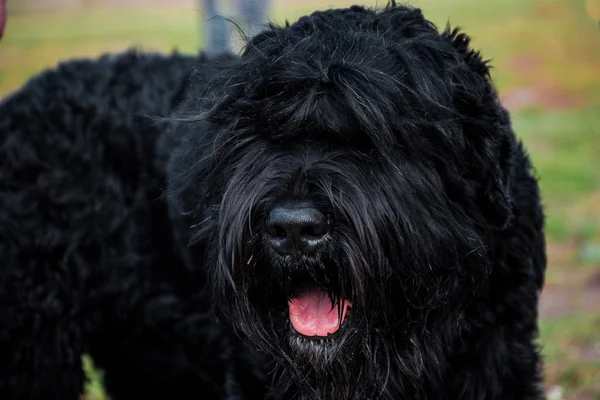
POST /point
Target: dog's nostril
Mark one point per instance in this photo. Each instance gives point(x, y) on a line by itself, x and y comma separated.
point(276, 231)
point(316, 229)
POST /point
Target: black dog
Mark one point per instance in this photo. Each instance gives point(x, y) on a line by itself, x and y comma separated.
point(370, 225)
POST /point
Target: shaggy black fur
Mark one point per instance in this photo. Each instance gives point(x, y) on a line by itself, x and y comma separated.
point(389, 128)
point(88, 259)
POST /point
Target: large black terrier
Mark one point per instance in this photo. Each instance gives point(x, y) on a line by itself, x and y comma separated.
point(370, 225)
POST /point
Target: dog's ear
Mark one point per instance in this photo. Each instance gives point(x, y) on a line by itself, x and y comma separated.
point(487, 128)
point(489, 157)
point(494, 192)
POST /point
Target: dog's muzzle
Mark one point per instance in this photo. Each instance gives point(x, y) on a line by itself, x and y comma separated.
point(298, 230)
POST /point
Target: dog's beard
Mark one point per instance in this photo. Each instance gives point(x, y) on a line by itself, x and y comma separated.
point(384, 323)
point(302, 312)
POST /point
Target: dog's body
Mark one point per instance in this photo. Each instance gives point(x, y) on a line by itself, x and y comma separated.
point(356, 160)
point(90, 262)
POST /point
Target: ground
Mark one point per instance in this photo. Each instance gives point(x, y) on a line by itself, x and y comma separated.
point(546, 55)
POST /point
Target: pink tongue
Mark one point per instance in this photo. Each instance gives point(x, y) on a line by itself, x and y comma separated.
point(312, 314)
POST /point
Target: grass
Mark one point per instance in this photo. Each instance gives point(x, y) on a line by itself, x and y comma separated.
point(565, 148)
point(572, 354)
point(545, 55)
point(94, 390)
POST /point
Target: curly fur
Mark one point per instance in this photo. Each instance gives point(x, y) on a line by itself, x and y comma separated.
point(89, 260)
point(390, 127)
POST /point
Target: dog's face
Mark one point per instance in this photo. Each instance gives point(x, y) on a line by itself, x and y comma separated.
point(345, 177)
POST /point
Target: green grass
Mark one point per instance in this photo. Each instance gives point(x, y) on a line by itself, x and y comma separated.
point(571, 349)
point(551, 48)
point(565, 149)
point(94, 389)
point(37, 41)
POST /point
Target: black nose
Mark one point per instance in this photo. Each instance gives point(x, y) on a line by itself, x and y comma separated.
point(296, 228)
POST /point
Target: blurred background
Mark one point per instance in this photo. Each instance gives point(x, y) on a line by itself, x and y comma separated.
point(546, 58)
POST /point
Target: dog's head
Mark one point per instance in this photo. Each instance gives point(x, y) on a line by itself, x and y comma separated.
point(344, 173)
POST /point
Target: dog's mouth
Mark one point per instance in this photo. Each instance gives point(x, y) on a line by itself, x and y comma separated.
point(312, 312)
